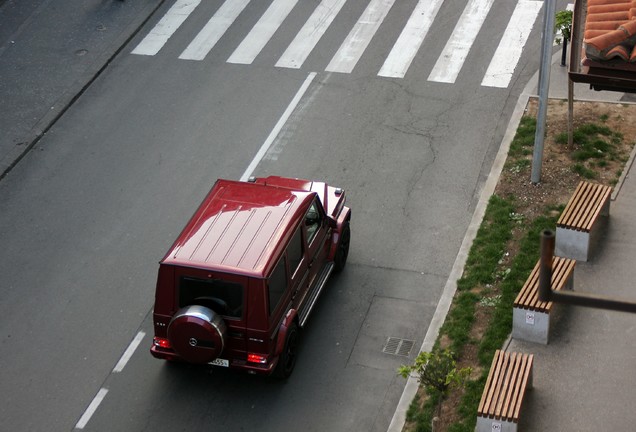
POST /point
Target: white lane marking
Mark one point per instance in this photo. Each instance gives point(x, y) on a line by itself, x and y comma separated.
point(508, 53)
point(360, 36)
point(165, 28)
point(99, 397)
point(307, 38)
point(456, 50)
point(129, 352)
point(410, 40)
point(262, 32)
point(281, 122)
point(214, 30)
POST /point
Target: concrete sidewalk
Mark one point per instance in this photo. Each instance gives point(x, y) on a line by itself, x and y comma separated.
point(50, 51)
point(585, 378)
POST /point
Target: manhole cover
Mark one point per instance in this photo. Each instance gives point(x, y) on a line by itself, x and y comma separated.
point(398, 346)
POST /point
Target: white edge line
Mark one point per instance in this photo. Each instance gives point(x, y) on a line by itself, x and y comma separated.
point(399, 417)
point(274, 133)
point(129, 352)
point(99, 397)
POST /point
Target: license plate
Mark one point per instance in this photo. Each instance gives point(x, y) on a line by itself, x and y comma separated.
point(220, 362)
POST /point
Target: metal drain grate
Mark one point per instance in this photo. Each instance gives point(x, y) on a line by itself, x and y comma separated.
point(397, 346)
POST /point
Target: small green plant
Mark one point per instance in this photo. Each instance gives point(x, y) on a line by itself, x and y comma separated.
point(524, 138)
point(563, 26)
point(438, 372)
point(604, 118)
point(584, 172)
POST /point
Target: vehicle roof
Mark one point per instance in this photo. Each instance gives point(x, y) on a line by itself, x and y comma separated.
point(240, 228)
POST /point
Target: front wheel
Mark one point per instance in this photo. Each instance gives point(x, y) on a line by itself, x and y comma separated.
point(287, 359)
point(343, 248)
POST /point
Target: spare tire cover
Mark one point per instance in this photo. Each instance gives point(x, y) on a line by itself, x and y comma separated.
point(197, 334)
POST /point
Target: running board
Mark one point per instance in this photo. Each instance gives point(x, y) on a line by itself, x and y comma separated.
point(315, 292)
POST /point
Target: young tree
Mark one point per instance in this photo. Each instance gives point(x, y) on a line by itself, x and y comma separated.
point(438, 372)
point(563, 28)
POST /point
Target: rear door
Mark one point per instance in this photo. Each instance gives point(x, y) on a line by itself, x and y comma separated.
point(223, 293)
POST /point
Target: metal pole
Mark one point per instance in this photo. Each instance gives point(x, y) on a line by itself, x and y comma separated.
point(545, 292)
point(544, 86)
point(570, 113)
point(564, 51)
point(545, 265)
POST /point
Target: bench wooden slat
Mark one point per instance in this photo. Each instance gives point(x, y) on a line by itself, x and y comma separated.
point(571, 206)
point(509, 385)
point(505, 386)
point(584, 206)
point(591, 198)
point(528, 297)
point(496, 370)
point(604, 195)
point(528, 359)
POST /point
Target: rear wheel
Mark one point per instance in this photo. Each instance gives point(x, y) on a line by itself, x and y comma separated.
point(287, 359)
point(343, 248)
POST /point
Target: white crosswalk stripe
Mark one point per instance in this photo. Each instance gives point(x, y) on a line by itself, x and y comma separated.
point(307, 38)
point(503, 64)
point(165, 28)
point(410, 40)
point(456, 50)
point(399, 59)
point(360, 36)
point(262, 32)
point(214, 30)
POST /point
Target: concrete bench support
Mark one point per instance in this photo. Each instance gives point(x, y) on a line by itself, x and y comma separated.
point(531, 317)
point(578, 228)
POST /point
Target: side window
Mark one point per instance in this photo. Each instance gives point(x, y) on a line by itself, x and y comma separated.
point(277, 285)
point(295, 251)
point(313, 221)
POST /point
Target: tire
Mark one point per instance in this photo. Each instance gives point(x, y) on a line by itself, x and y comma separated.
point(343, 248)
point(197, 334)
point(287, 359)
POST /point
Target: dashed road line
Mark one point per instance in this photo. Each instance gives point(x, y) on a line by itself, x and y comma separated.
point(99, 397)
point(129, 352)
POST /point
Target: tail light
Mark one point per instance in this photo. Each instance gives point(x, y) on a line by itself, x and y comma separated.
point(161, 342)
point(256, 358)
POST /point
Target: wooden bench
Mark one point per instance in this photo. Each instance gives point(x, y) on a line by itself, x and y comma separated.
point(509, 377)
point(530, 316)
point(576, 228)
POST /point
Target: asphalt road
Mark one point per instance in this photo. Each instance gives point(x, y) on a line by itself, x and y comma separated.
point(90, 210)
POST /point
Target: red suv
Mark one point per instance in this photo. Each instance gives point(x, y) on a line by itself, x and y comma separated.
point(244, 275)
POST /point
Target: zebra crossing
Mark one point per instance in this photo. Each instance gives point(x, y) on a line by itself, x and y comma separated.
point(398, 60)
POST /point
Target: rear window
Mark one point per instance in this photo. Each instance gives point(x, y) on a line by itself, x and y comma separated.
point(223, 297)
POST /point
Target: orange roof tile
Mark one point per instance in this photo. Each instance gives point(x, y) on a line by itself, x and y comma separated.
point(610, 30)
